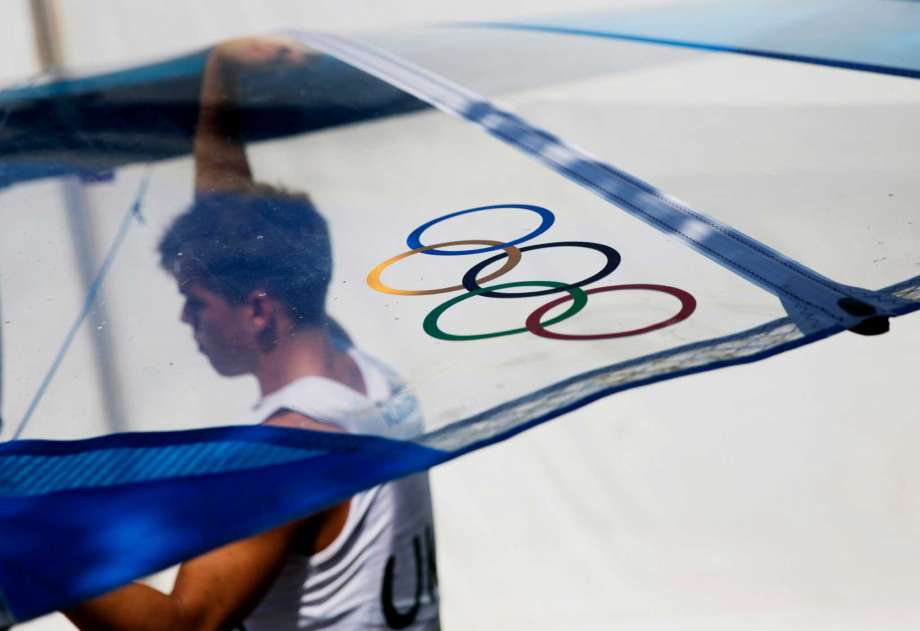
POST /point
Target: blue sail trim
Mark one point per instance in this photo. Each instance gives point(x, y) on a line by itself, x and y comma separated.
point(189, 65)
point(549, 406)
point(37, 474)
point(59, 548)
point(845, 64)
point(149, 113)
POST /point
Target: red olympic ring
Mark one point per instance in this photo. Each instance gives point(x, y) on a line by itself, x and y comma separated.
point(687, 307)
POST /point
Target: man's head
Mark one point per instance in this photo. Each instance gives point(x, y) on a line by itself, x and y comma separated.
point(248, 263)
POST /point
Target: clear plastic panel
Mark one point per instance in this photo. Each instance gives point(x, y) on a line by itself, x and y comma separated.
point(816, 162)
point(375, 182)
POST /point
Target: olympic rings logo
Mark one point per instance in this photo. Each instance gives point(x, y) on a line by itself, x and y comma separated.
point(511, 254)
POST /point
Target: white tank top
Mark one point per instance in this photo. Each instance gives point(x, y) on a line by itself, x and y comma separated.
point(380, 571)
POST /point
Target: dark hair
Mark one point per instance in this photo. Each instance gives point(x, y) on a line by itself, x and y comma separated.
point(260, 238)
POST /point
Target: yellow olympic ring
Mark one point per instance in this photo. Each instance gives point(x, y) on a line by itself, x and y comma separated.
point(373, 278)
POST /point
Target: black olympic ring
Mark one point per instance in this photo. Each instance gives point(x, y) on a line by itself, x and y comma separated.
point(613, 261)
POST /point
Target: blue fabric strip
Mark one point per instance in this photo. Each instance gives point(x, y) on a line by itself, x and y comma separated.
point(91, 126)
point(324, 441)
point(863, 35)
point(186, 66)
point(768, 54)
point(61, 547)
point(109, 467)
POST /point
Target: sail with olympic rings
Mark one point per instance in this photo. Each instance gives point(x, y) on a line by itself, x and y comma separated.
point(497, 250)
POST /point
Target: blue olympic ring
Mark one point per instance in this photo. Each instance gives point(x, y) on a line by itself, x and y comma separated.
point(546, 220)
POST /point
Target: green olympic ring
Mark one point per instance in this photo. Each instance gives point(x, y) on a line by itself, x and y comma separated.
point(430, 325)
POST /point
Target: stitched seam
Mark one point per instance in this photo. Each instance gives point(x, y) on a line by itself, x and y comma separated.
point(714, 253)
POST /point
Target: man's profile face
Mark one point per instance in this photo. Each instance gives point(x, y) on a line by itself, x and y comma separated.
point(219, 327)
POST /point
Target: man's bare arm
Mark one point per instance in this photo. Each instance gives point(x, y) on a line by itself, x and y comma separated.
point(220, 156)
point(214, 591)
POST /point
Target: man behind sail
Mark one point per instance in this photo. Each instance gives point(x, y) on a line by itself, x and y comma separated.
point(253, 263)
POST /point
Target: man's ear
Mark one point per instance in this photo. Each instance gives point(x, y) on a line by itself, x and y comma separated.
point(263, 317)
point(262, 309)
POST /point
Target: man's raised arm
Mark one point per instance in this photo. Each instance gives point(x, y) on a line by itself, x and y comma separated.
point(220, 157)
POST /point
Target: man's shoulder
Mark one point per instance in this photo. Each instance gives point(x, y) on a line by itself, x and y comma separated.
point(289, 418)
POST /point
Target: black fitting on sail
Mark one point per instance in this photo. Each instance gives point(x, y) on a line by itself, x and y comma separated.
point(872, 324)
